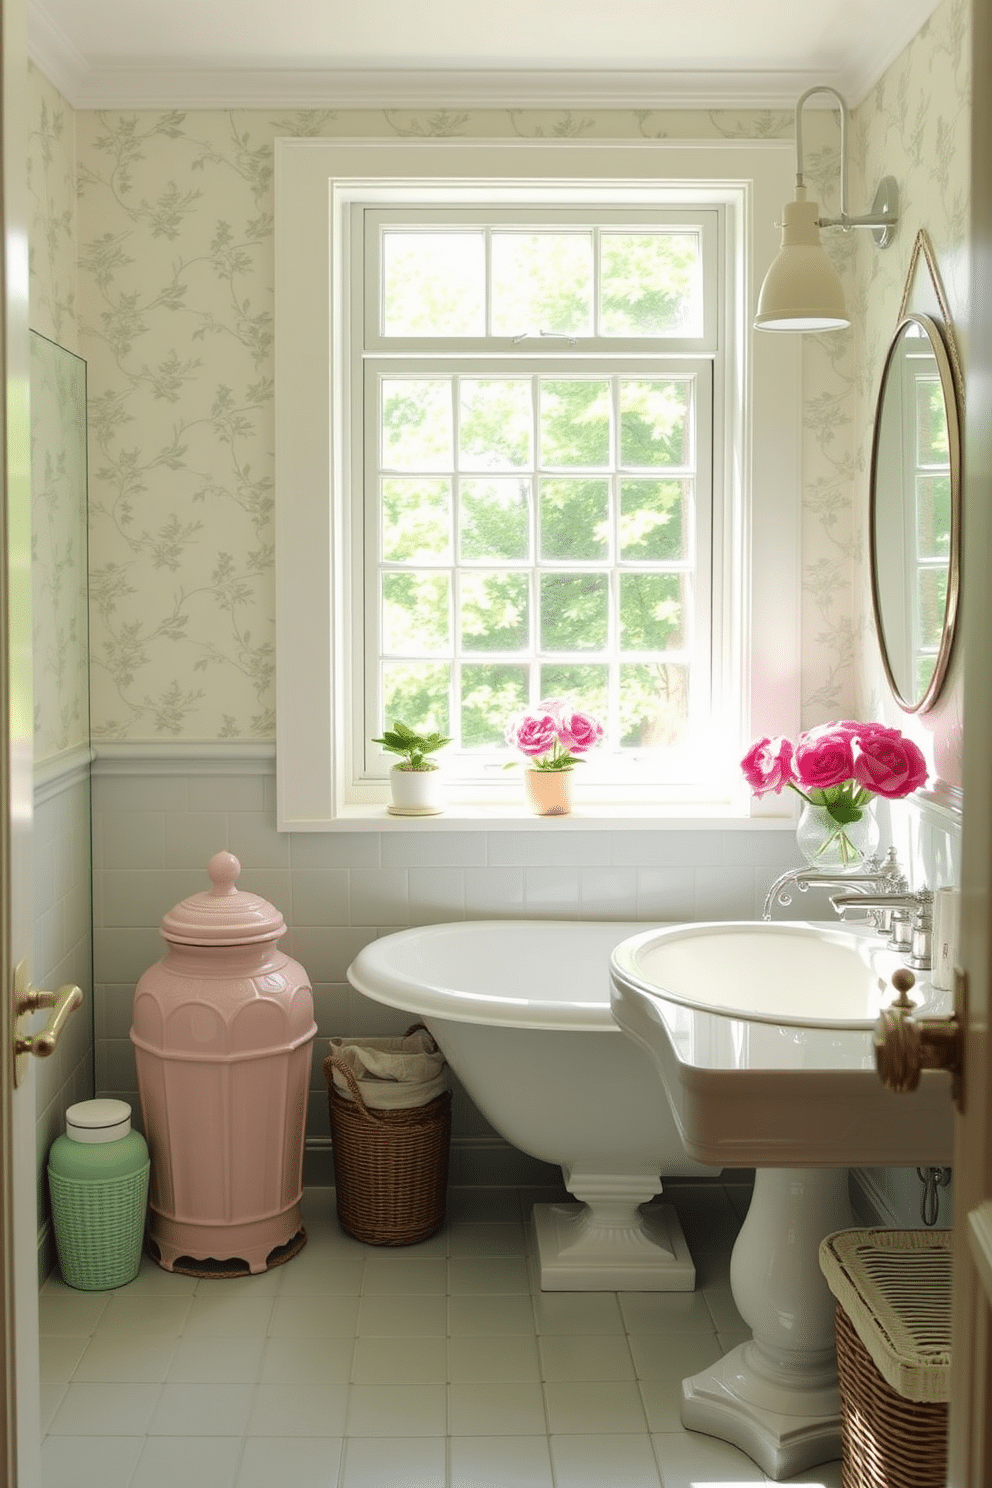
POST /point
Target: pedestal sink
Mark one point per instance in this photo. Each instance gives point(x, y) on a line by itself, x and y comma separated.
point(762, 1034)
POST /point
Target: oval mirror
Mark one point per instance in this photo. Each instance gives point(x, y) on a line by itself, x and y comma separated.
point(915, 513)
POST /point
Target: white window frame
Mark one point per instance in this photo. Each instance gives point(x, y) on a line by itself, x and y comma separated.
point(317, 184)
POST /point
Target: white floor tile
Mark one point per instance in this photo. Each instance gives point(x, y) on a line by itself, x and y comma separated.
point(687, 1459)
point(490, 1317)
point(89, 1461)
point(389, 1275)
point(499, 1462)
point(314, 1317)
point(122, 1357)
point(322, 1273)
point(669, 1358)
point(400, 1361)
point(304, 1462)
point(469, 1240)
point(300, 1361)
point(496, 1410)
point(600, 1408)
point(105, 1410)
point(61, 1354)
point(51, 1395)
point(593, 1461)
point(403, 1316)
point(191, 1462)
point(493, 1360)
point(146, 1314)
point(231, 1361)
point(217, 1313)
point(575, 1356)
point(496, 1274)
point(396, 1410)
point(201, 1410)
point(298, 1410)
point(578, 1312)
point(666, 1312)
point(398, 1462)
point(61, 1310)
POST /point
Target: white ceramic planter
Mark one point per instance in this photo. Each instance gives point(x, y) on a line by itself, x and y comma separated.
point(416, 792)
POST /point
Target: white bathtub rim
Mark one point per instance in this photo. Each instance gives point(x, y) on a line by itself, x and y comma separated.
point(377, 972)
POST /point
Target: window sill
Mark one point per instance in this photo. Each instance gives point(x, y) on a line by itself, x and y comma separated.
point(624, 817)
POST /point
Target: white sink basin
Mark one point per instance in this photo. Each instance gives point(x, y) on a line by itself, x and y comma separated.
point(793, 975)
point(762, 1034)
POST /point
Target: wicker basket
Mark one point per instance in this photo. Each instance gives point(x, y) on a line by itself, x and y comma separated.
point(893, 1354)
point(390, 1166)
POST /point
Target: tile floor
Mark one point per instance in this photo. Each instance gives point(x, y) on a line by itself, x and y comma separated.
point(440, 1365)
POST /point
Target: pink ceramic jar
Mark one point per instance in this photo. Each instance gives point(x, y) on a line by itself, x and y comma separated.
point(222, 1031)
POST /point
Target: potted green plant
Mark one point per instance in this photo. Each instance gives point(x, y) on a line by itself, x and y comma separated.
point(414, 780)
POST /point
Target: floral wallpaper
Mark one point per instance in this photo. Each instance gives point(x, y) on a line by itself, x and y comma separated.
point(58, 548)
point(58, 432)
point(175, 320)
point(52, 198)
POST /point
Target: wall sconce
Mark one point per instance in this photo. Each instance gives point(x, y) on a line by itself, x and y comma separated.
point(802, 289)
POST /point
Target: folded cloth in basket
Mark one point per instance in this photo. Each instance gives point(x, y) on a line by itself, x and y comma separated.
point(391, 1072)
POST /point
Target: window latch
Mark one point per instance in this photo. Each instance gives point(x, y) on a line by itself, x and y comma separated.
point(553, 335)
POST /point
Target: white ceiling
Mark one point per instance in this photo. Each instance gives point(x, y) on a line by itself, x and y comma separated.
point(462, 53)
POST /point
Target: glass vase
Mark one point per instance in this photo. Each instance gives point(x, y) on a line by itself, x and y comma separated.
point(840, 847)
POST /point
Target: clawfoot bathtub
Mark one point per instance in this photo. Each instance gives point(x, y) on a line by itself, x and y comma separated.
point(521, 1010)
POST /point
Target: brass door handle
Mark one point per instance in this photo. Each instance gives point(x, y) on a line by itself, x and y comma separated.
point(906, 1046)
point(28, 999)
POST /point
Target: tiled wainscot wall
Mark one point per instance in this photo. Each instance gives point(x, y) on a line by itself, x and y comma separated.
point(61, 953)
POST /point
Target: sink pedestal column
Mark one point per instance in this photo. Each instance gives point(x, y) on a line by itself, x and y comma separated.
point(776, 1398)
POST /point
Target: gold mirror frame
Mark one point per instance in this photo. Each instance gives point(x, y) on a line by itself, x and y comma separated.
point(942, 345)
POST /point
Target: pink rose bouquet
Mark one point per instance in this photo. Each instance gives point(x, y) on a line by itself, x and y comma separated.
point(839, 766)
point(553, 735)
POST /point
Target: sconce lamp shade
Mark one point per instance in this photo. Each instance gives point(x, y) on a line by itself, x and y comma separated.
point(802, 289)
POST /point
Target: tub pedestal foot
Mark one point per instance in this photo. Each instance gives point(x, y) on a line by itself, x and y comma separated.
point(607, 1243)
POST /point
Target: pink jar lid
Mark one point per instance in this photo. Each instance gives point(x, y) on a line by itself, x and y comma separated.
point(223, 915)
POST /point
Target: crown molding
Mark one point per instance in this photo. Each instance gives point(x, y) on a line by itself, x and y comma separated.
point(100, 84)
point(53, 53)
point(442, 88)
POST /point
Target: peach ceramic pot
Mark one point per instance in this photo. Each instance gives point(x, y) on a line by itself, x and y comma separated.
point(222, 1031)
point(549, 792)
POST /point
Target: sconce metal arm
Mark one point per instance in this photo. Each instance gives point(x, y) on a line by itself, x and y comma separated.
point(884, 214)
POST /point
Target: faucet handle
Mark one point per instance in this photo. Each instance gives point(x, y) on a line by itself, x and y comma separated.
point(922, 936)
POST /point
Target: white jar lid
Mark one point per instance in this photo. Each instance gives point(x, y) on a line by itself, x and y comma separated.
point(98, 1120)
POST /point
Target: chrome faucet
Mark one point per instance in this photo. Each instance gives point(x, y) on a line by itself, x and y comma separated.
point(904, 917)
point(881, 879)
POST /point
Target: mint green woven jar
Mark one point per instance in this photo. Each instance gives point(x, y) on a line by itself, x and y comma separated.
point(98, 1178)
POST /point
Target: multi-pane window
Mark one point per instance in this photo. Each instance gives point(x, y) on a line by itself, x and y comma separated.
point(537, 479)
